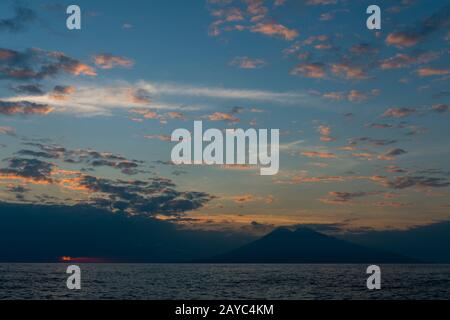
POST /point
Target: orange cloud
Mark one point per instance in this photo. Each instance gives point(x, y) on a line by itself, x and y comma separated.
point(310, 70)
point(348, 71)
point(222, 116)
point(426, 72)
point(146, 113)
point(23, 108)
point(62, 92)
point(161, 137)
point(400, 39)
point(398, 112)
point(274, 29)
point(316, 154)
point(325, 133)
point(108, 61)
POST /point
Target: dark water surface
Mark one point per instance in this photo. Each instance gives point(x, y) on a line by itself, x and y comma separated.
point(223, 281)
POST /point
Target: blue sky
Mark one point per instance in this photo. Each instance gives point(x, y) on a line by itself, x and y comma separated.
point(363, 114)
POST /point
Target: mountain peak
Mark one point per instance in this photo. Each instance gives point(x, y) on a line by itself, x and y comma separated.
point(305, 245)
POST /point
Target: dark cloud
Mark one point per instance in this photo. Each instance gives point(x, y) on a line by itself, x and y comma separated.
point(32, 169)
point(338, 197)
point(18, 189)
point(83, 156)
point(37, 64)
point(31, 89)
point(415, 181)
point(22, 18)
point(11, 108)
point(152, 197)
point(420, 31)
point(371, 141)
point(364, 49)
point(395, 152)
point(380, 125)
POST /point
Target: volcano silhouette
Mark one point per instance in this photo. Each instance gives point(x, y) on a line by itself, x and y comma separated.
point(305, 245)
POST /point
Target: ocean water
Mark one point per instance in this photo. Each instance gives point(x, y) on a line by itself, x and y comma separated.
point(223, 281)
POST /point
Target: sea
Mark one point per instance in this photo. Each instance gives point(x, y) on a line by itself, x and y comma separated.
point(223, 282)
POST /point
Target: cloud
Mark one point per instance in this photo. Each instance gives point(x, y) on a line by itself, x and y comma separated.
point(317, 154)
point(401, 39)
point(371, 141)
point(221, 93)
point(299, 179)
point(176, 115)
point(23, 16)
point(37, 64)
point(146, 113)
point(31, 89)
point(427, 72)
point(109, 61)
point(380, 125)
point(336, 197)
point(10, 108)
point(420, 31)
point(348, 71)
point(413, 181)
point(161, 137)
point(150, 197)
point(352, 95)
point(364, 49)
point(223, 116)
point(62, 92)
point(440, 108)
point(140, 96)
point(398, 112)
point(393, 204)
point(157, 196)
point(325, 133)
point(310, 70)
point(401, 60)
point(89, 157)
point(391, 154)
point(243, 198)
point(254, 17)
point(247, 63)
point(98, 99)
point(28, 169)
point(275, 29)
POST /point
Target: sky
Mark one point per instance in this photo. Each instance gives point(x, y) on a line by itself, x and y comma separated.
point(86, 115)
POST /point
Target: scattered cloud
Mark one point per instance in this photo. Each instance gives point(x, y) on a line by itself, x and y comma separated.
point(23, 16)
point(310, 70)
point(398, 112)
point(318, 154)
point(10, 108)
point(427, 72)
point(37, 64)
point(420, 31)
point(247, 63)
point(109, 61)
